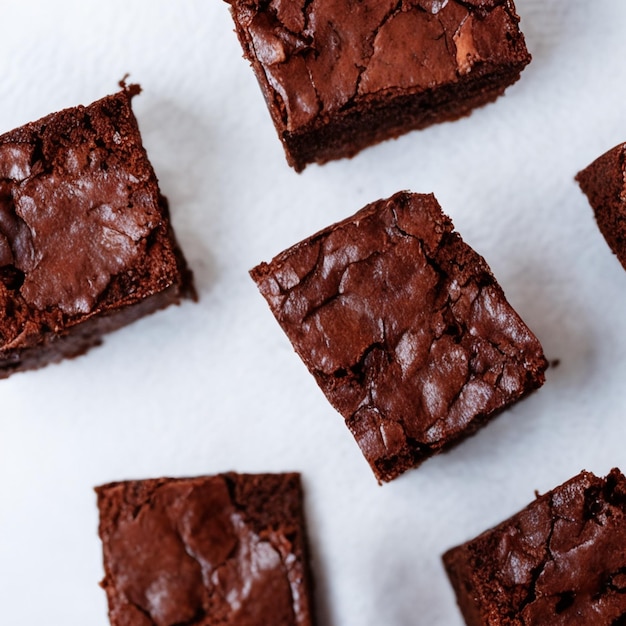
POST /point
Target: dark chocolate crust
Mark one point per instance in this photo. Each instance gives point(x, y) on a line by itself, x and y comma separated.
point(405, 329)
point(340, 75)
point(604, 183)
point(561, 561)
point(86, 244)
point(227, 550)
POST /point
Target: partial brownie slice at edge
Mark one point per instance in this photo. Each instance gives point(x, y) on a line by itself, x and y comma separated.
point(604, 184)
point(227, 549)
point(559, 561)
point(86, 243)
point(340, 76)
point(404, 328)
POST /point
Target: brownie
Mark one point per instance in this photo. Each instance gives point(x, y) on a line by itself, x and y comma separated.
point(341, 75)
point(86, 243)
point(604, 183)
point(561, 561)
point(404, 328)
point(227, 549)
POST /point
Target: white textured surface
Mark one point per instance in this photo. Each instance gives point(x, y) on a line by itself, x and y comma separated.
point(215, 386)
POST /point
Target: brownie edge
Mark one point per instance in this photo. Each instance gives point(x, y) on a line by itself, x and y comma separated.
point(560, 561)
point(225, 550)
point(404, 328)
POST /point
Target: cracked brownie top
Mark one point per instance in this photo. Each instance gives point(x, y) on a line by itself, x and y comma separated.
point(78, 199)
point(226, 549)
point(318, 57)
point(561, 561)
point(84, 230)
point(404, 328)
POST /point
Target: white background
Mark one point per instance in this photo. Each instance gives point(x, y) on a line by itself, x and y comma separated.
point(215, 386)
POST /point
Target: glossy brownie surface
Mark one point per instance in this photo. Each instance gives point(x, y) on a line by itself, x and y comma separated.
point(404, 328)
point(561, 561)
point(84, 233)
point(329, 63)
point(227, 549)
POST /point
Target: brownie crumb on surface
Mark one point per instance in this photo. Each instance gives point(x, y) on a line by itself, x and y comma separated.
point(404, 328)
point(341, 75)
point(559, 562)
point(227, 550)
point(86, 244)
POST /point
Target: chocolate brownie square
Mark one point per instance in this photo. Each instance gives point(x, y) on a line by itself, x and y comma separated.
point(341, 75)
point(604, 183)
point(227, 549)
point(559, 562)
point(86, 243)
point(404, 328)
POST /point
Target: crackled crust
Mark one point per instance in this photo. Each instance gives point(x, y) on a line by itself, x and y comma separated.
point(334, 72)
point(561, 561)
point(604, 184)
point(86, 244)
point(404, 328)
point(227, 549)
